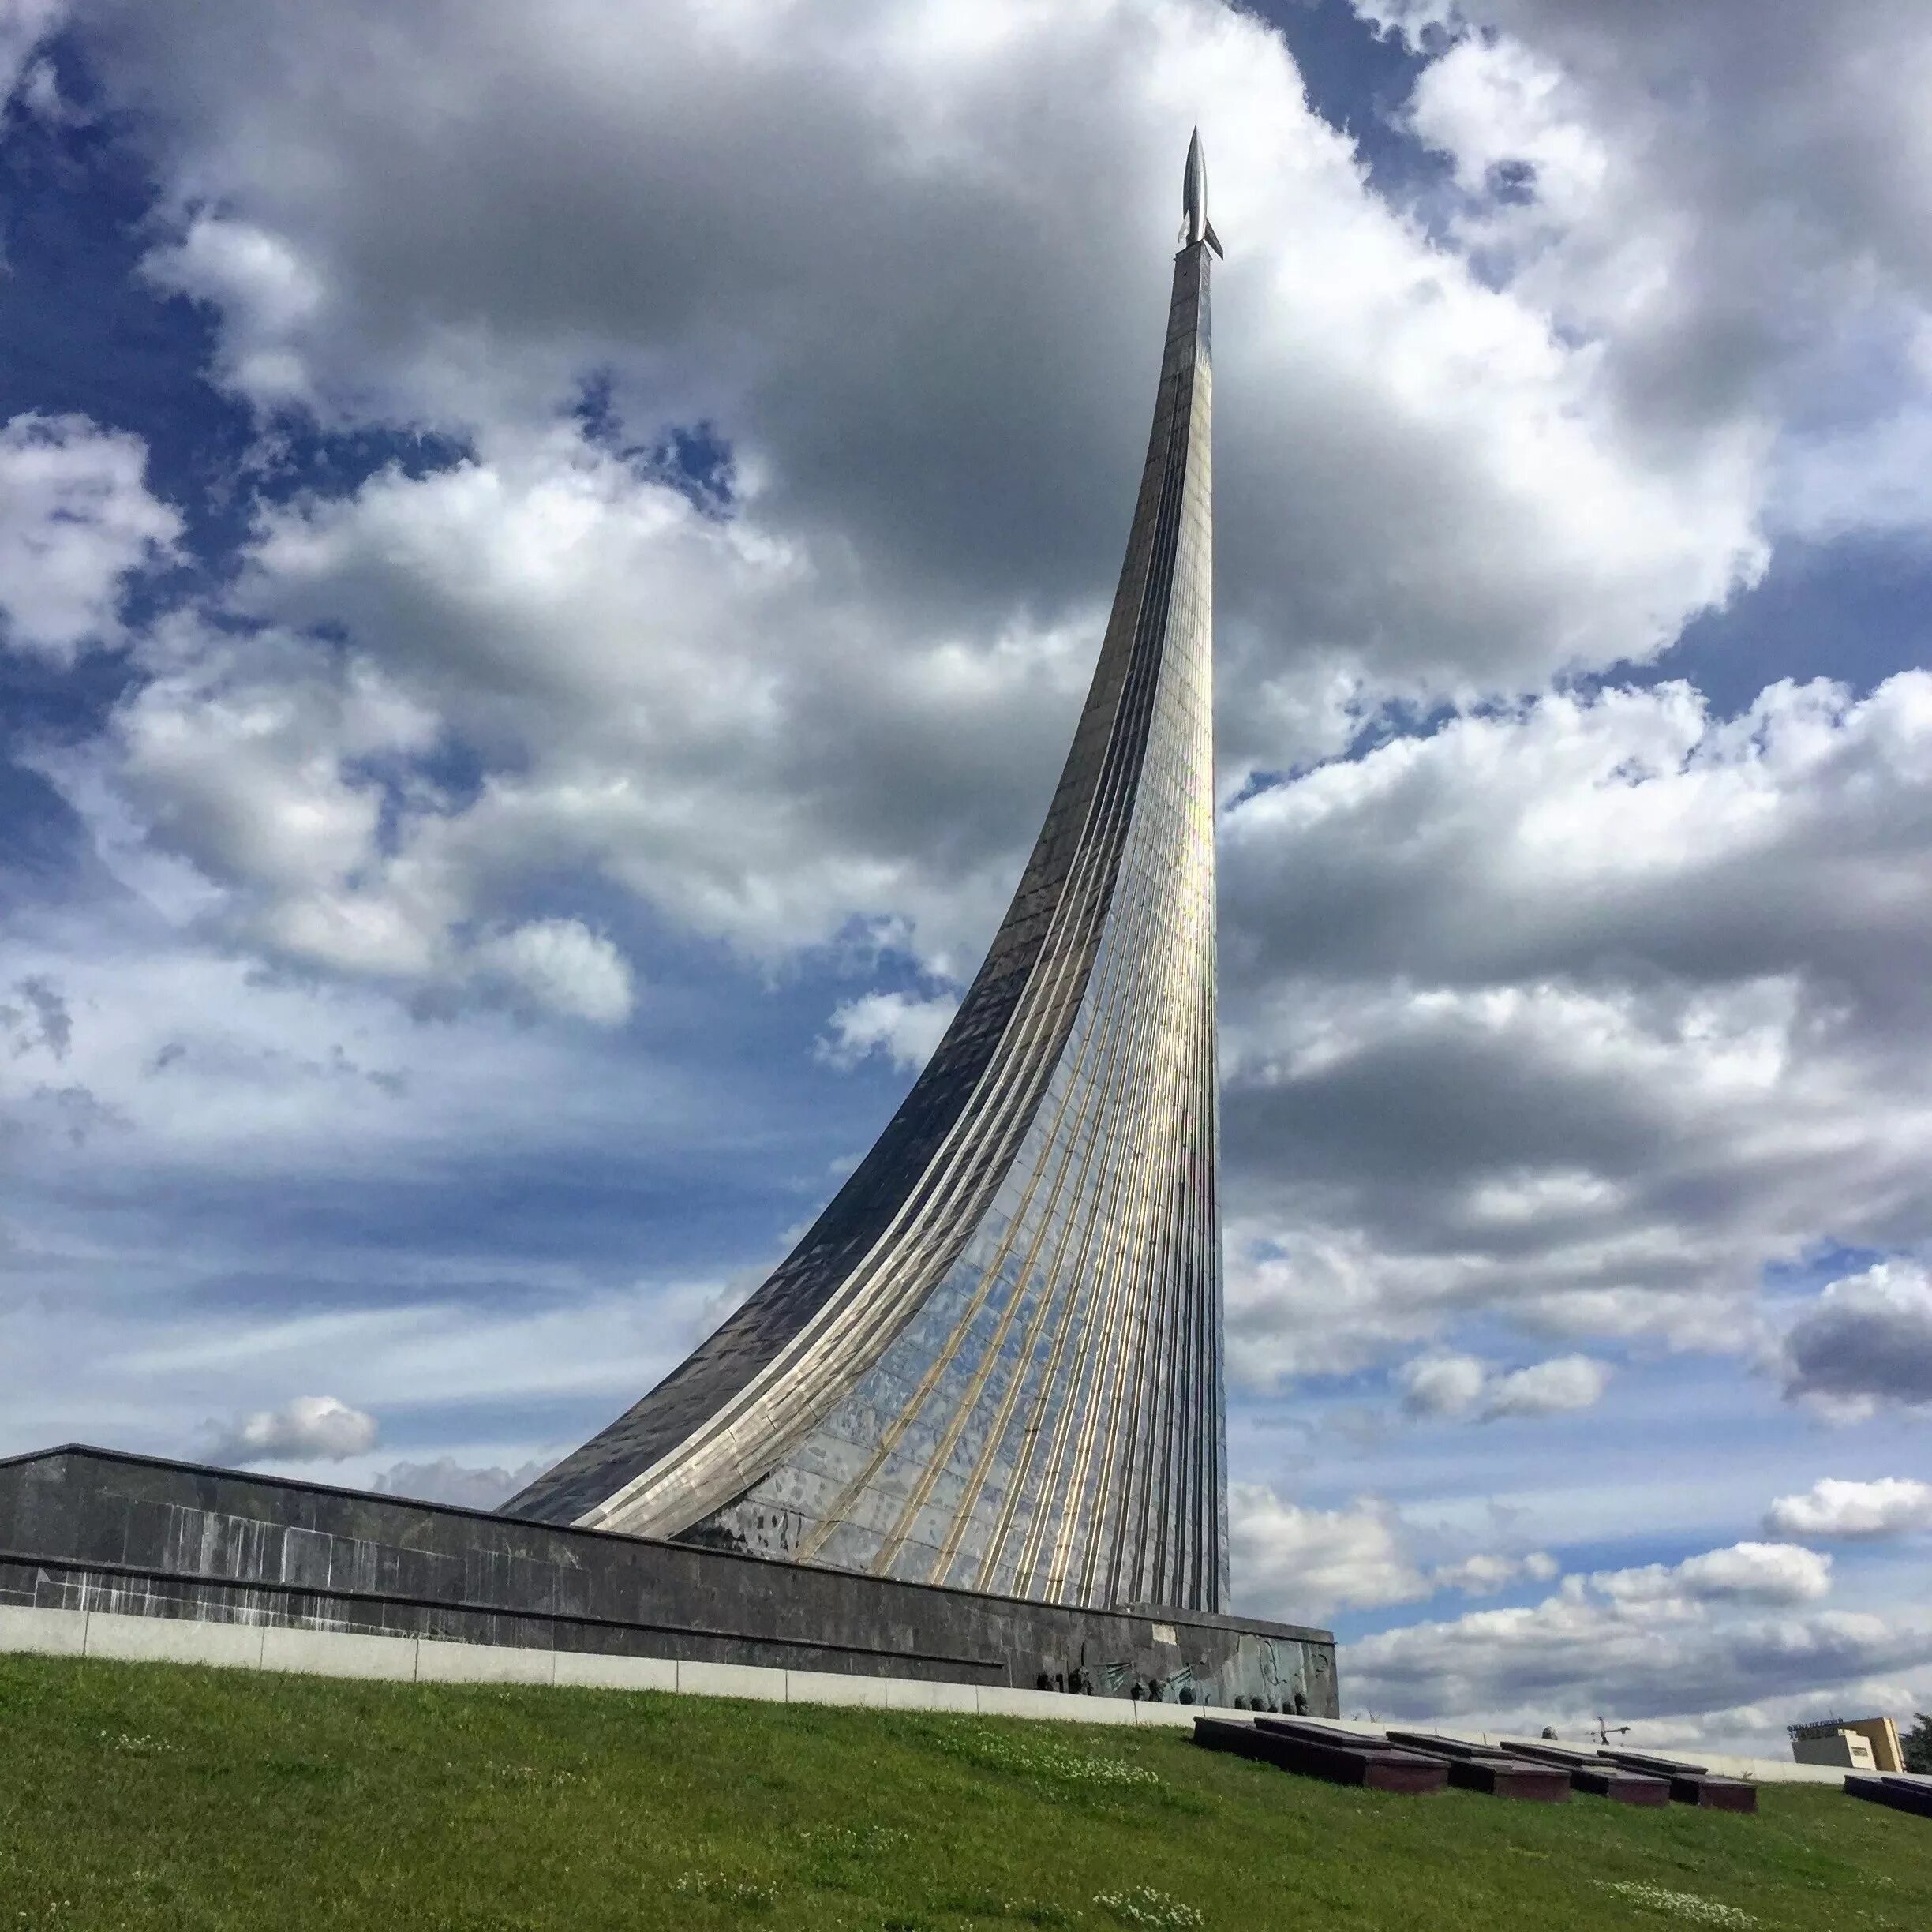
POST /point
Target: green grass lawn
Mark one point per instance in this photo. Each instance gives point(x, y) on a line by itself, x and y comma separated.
point(150, 1796)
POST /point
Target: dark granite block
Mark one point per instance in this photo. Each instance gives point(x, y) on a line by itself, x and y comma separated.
point(1374, 1767)
point(1483, 1768)
point(1660, 1767)
point(1900, 1794)
point(1598, 1779)
point(1692, 1784)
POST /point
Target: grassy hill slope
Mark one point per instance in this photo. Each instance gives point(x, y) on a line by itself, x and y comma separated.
point(150, 1796)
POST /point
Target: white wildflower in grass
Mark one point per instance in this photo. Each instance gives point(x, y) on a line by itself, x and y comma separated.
point(1144, 1906)
point(1049, 1764)
point(130, 1746)
point(1020, 1911)
point(855, 1841)
point(720, 1890)
point(531, 1775)
point(1686, 1905)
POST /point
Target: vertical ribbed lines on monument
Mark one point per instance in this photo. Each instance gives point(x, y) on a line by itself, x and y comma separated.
point(1015, 1436)
point(1131, 1525)
point(995, 1361)
point(1118, 1438)
point(1088, 1438)
point(971, 1446)
point(1176, 1519)
point(1075, 1447)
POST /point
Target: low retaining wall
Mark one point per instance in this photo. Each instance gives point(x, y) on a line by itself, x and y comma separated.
point(85, 1529)
point(419, 1660)
point(423, 1660)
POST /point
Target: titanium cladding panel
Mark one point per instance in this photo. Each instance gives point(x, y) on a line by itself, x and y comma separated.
point(995, 1360)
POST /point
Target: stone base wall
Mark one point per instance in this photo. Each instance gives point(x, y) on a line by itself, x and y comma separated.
point(83, 1529)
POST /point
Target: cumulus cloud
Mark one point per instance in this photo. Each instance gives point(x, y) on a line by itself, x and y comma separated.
point(1306, 1564)
point(1723, 1649)
point(1766, 1573)
point(563, 965)
point(1677, 1670)
point(1486, 1573)
point(1442, 1385)
point(266, 294)
point(903, 1028)
point(1555, 1387)
point(745, 770)
point(1461, 1385)
point(445, 1480)
point(25, 26)
point(76, 522)
point(1733, 248)
point(1865, 1342)
point(861, 650)
point(355, 245)
point(309, 1428)
point(1839, 1511)
point(1302, 1563)
point(1586, 1011)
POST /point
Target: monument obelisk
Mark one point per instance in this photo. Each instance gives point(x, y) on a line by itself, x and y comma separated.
point(994, 1360)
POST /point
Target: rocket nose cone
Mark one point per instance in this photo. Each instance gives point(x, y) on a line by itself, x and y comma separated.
point(1194, 189)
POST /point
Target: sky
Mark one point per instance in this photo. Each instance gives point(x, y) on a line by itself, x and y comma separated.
point(548, 558)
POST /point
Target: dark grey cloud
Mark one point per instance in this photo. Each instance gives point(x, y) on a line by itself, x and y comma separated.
point(74, 1112)
point(1590, 1010)
point(915, 289)
point(1867, 1340)
point(37, 1017)
point(1776, 206)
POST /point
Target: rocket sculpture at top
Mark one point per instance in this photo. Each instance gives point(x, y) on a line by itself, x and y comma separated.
point(994, 1360)
point(1195, 227)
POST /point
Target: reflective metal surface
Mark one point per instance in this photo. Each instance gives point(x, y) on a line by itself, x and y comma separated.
point(995, 1360)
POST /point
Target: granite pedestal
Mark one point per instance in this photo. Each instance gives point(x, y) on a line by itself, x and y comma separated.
point(86, 1529)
